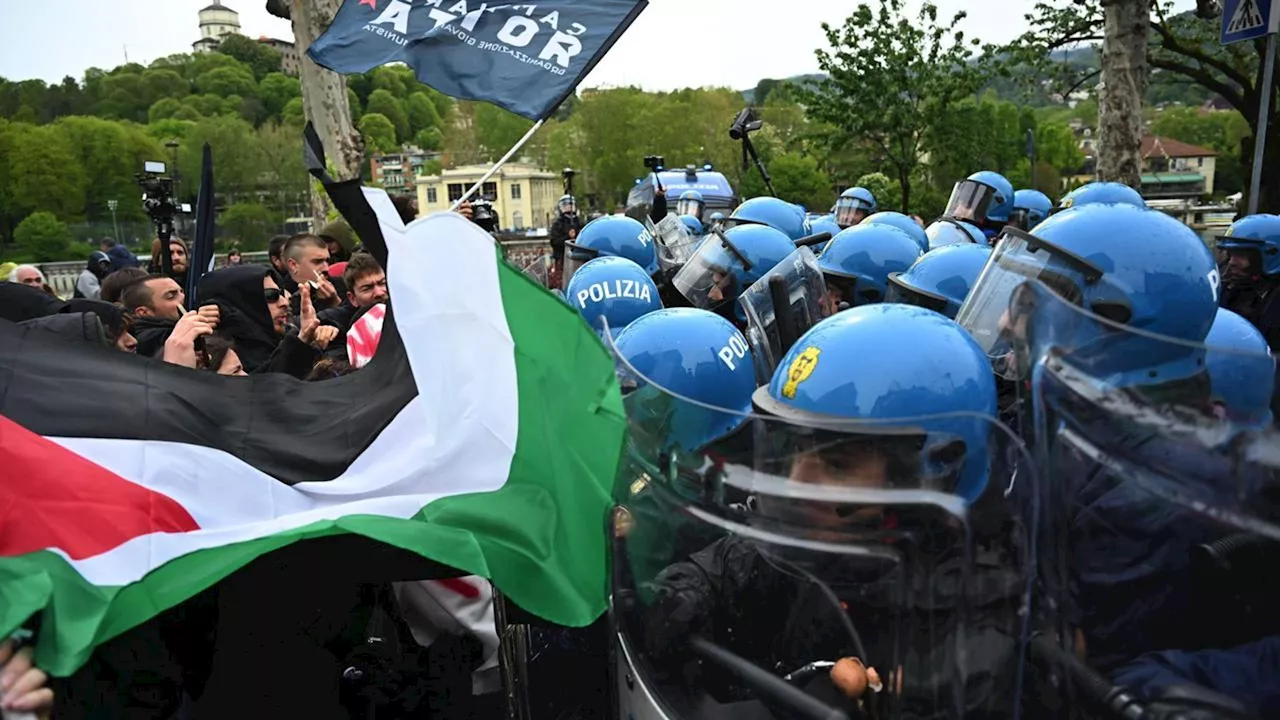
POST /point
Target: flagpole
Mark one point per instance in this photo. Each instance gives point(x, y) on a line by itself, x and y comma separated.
point(497, 166)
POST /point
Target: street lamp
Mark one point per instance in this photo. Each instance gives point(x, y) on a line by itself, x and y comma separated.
point(112, 205)
point(173, 152)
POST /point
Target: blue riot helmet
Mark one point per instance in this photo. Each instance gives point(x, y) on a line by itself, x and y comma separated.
point(691, 204)
point(780, 215)
point(567, 205)
point(905, 223)
point(1030, 208)
point(1101, 193)
point(853, 206)
point(984, 198)
point(1137, 269)
point(926, 379)
point(1239, 381)
point(612, 235)
point(950, 231)
point(857, 263)
point(821, 224)
point(695, 365)
point(694, 225)
point(1252, 247)
point(612, 292)
point(941, 279)
point(727, 263)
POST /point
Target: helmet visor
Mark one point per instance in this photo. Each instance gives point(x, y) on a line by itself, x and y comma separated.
point(1020, 218)
point(970, 201)
point(945, 232)
point(851, 543)
point(800, 285)
point(691, 207)
point(851, 211)
point(568, 206)
point(711, 277)
point(997, 309)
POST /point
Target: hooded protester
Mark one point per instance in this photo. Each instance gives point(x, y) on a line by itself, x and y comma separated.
point(254, 313)
point(77, 327)
point(88, 285)
point(117, 323)
point(122, 257)
point(340, 238)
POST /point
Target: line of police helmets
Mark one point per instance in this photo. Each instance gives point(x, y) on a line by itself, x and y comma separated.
point(1017, 462)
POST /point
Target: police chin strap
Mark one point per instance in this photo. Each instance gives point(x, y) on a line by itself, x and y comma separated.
point(496, 166)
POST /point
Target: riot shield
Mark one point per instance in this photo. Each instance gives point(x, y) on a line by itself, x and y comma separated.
point(539, 269)
point(799, 282)
point(1161, 513)
point(640, 199)
point(676, 243)
point(824, 569)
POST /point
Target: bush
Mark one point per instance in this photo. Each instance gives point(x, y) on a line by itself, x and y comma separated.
point(249, 225)
point(42, 237)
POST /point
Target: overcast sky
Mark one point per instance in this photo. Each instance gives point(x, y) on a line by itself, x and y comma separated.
point(674, 43)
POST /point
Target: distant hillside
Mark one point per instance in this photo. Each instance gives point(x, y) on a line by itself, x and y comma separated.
point(767, 85)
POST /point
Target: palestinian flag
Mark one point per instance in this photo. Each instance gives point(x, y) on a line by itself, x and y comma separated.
point(484, 435)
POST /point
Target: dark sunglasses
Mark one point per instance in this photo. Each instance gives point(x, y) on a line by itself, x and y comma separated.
point(273, 295)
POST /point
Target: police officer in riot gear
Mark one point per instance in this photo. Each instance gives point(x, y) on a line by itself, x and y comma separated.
point(563, 229)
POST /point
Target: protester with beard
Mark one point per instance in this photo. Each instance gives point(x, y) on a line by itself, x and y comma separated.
point(177, 258)
point(156, 302)
point(367, 286)
point(254, 313)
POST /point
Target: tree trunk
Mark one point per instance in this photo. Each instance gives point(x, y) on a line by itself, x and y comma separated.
point(324, 98)
point(1124, 80)
point(904, 182)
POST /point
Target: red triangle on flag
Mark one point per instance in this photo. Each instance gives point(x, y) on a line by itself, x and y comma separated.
point(54, 498)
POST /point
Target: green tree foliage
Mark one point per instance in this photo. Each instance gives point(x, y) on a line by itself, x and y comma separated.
point(276, 90)
point(379, 133)
point(237, 159)
point(294, 114)
point(1225, 132)
point(430, 139)
point(43, 172)
point(1184, 48)
point(163, 109)
point(41, 237)
point(261, 59)
point(797, 179)
point(226, 81)
point(891, 80)
point(422, 113)
point(357, 109)
point(165, 83)
point(886, 192)
point(382, 102)
point(249, 225)
point(110, 154)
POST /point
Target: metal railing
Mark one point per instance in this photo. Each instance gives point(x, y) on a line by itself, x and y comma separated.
point(62, 275)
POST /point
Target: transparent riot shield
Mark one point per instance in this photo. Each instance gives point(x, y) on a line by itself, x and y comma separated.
point(819, 569)
point(798, 282)
point(676, 243)
point(1160, 523)
point(539, 269)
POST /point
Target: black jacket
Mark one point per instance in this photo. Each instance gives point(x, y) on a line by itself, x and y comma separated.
point(237, 291)
point(152, 333)
point(20, 302)
point(559, 232)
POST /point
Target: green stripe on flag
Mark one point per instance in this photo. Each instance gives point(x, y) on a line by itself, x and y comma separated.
point(541, 537)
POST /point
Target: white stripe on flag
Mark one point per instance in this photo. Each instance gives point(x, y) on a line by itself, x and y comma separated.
point(458, 435)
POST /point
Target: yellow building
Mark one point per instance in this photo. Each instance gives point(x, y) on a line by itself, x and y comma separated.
point(524, 196)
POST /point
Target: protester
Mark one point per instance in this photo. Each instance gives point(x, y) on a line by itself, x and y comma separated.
point(366, 286)
point(275, 254)
point(306, 258)
point(233, 257)
point(254, 313)
point(220, 356)
point(118, 280)
point(28, 275)
point(121, 256)
point(88, 284)
point(157, 303)
point(23, 686)
point(117, 323)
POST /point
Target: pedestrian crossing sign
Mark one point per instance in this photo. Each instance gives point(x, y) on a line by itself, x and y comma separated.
point(1247, 20)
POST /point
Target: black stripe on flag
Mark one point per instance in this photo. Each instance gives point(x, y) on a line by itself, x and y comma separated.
point(292, 430)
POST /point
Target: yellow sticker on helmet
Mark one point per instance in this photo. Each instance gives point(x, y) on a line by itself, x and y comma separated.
point(801, 368)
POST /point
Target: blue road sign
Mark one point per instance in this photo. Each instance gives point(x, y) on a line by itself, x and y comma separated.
point(1247, 20)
